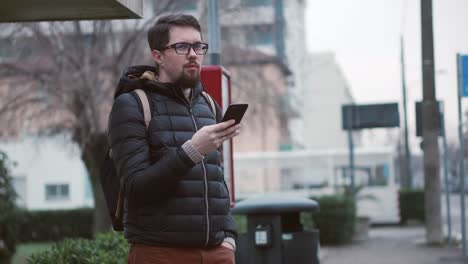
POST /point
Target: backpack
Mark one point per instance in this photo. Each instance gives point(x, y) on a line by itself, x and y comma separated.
point(112, 184)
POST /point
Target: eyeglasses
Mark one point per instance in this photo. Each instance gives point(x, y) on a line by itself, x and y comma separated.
point(183, 48)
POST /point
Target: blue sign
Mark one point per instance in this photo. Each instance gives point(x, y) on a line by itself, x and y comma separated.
point(464, 71)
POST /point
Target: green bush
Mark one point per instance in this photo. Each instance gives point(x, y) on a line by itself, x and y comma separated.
point(55, 225)
point(307, 221)
point(241, 222)
point(8, 212)
point(411, 203)
point(107, 248)
point(335, 220)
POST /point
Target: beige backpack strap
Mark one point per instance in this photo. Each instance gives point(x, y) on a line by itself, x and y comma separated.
point(212, 103)
point(146, 106)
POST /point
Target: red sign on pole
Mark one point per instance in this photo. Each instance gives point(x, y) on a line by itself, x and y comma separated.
point(217, 83)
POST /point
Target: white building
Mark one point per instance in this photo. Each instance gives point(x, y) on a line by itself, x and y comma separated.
point(321, 172)
point(327, 90)
point(48, 174)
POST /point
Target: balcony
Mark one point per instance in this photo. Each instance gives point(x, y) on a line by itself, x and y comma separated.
point(261, 15)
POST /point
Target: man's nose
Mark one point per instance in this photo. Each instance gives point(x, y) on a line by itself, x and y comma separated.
point(191, 53)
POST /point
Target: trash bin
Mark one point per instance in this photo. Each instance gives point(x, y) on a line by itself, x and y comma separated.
point(274, 232)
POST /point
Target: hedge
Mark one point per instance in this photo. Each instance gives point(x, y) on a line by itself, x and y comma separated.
point(107, 248)
point(241, 222)
point(8, 211)
point(411, 203)
point(335, 220)
point(54, 225)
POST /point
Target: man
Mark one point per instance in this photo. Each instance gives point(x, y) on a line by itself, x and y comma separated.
point(177, 206)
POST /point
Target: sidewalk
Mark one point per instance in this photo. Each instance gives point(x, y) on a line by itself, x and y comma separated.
point(390, 245)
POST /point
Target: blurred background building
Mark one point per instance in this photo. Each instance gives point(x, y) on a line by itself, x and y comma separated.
point(292, 139)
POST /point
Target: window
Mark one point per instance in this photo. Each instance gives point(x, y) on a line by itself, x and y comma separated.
point(11, 49)
point(7, 49)
point(226, 35)
point(19, 184)
point(380, 178)
point(57, 192)
point(260, 35)
point(184, 5)
point(257, 2)
point(88, 189)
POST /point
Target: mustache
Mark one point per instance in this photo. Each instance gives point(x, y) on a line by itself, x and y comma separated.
point(191, 64)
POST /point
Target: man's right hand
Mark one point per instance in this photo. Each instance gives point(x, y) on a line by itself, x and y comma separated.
point(211, 137)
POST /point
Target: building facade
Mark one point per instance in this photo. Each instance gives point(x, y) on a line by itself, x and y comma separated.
point(327, 90)
point(48, 173)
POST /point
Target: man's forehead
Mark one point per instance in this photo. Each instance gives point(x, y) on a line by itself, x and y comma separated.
point(184, 34)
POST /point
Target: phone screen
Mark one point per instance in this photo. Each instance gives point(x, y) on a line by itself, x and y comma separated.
point(236, 112)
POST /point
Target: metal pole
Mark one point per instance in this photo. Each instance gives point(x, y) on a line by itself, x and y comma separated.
point(447, 191)
point(351, 146)
point(214, 33)
point(279, 30)
point(430, 115)
point(407, 180)
point(462, 165)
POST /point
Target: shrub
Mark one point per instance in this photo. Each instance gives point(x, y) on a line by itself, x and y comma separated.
point(55, 225)
point(335, 220)
point(8, 212)
point(411, 203)
point(107, 248)
point(241, 222)
point(307, 221)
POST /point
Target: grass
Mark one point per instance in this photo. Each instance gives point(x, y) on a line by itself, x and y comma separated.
point(23, 251)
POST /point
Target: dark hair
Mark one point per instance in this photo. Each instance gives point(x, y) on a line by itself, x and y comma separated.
point(158, 34)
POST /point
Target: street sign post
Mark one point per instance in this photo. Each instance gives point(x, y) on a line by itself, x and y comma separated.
point(366, 116)
point(217, 83)
point(462, 76)
point(419, 119)
point(370, 116)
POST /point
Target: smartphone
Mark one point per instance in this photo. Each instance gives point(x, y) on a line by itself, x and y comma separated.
point(236, 112)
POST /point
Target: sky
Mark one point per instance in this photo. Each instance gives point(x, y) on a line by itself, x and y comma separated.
point(365, 37)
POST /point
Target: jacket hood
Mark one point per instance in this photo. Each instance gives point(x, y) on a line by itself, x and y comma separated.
point(144, 77)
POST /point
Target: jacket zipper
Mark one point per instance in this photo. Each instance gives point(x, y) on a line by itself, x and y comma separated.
point(205, 180)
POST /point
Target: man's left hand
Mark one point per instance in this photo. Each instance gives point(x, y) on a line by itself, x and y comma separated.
point(227, 245)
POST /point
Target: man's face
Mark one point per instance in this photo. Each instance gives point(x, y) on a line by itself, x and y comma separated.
point(181, 69)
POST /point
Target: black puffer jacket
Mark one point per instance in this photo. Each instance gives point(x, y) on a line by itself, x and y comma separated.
point(170, 201)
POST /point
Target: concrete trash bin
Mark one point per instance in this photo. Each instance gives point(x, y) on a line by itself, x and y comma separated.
point(274, 232)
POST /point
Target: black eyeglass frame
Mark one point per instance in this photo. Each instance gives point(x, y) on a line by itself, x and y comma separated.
point(191, 46)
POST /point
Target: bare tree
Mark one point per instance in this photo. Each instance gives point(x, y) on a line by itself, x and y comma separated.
point(61, 78)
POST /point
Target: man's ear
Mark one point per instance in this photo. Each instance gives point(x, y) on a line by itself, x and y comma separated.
point(157, 56)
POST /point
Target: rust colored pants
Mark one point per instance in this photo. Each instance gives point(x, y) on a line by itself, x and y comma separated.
point(143, 254)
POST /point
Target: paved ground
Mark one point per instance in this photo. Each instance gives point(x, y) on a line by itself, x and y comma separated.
point(391, 245)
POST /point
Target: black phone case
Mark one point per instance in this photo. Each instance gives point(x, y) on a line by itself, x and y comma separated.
point(236, 112)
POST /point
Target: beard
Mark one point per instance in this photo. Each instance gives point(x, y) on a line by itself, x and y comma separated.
point(187, 81)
